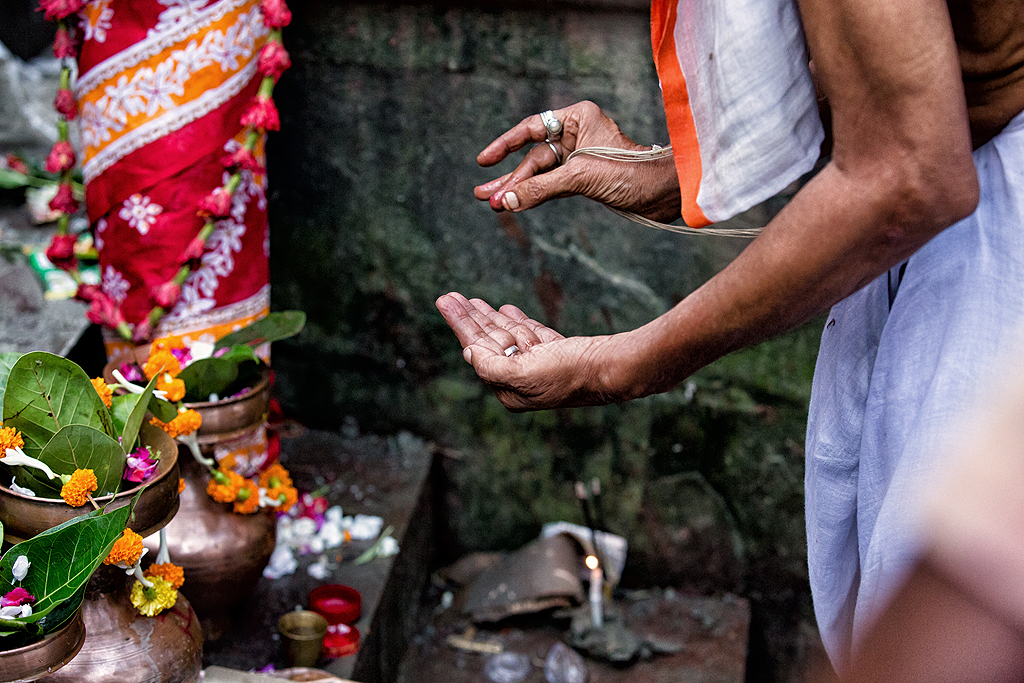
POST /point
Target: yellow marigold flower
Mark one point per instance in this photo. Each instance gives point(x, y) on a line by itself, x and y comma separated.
point(224, 486)
point(10, 438)
point(153, 601)
point(160, 360)
point(184, 424)
point(288, 495)
point(76, 492)
point(181, 484)
point(248, 500)
point(126, 550)
point(175, 388)
point(171, 573)
point(274, 477)
point(103, 390)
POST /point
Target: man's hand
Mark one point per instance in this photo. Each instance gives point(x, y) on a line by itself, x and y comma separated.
point(547, 371)
point(650, 189)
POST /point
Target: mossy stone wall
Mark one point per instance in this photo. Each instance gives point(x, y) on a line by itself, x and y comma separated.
point(373, 217)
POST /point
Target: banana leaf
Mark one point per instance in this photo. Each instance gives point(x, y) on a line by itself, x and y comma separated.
point(46, 392)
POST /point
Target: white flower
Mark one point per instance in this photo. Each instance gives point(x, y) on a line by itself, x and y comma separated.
point(20, 568)
point(16, 456)
point(21, 489)
point(15, 611)
point(114, 284)
point(140, 212)
point(282, 562)
point(200, 350)
point(135, 388)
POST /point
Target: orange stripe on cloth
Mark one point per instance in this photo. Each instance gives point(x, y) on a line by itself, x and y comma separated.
point(678, 114)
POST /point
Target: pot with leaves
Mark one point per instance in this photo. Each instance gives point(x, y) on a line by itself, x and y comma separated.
point(85, 471)
point(225, 531)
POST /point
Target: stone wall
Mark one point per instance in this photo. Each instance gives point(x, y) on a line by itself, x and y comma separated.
point(373, 217)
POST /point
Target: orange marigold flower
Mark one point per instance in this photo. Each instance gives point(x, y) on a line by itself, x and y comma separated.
point(274, 477)
point(184, 424)
point(175, 388)
point(160, 360)
point(126, 550)
point(288, 495)
point(227, 461)
point(224, 486)
point(76, 492)
point(10, 438)
point(103, 390)
point(248, 500)
point(171, 573)
point(181, 485)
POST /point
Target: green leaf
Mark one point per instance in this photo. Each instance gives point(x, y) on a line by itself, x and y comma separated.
point(62, 559)
point(208, 376)
point(45, 393)
point(78, 447)
point(135, 418)
point(165, 411)
point(11, 179)
point(7, 361)
point(278, 325)
point(121, 406)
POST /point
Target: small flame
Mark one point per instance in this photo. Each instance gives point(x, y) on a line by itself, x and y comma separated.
point(591, 562)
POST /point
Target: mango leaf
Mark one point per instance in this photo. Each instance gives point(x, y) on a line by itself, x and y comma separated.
point(208, 376)
point(7, 361)
point(78, 447)
point(46, 392)
point(135, 418)
point(62, 559)
point(278, 325)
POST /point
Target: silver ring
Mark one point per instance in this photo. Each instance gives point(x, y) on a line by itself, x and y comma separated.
point(511, 350)
point(551, 124)
point(558, 157)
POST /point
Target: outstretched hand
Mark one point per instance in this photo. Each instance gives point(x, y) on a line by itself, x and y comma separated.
point(650, 189)
point(545, 370)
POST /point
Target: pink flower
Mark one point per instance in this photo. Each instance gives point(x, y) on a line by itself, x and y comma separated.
point(104, 311)
point(60, 9)
point(140, 465)
point(275, 13)
point(65, 200)
point(194, 250)
point(65, 104)
point(183, 355)
point(166, 295)
point(15, 163)
point(217, 204)
point(244, 159)
point(273, 60)
point(262, 114)
point(87, 292)
point(131, 372)
point(64, 44)
point(143, 331)
point(61, 251)
point(61, 158)
point(16, 597)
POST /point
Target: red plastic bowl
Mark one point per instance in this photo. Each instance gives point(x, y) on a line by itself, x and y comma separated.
point(338, 604)
point(341, 640)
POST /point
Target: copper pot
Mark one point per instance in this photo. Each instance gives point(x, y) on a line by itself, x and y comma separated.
point(33, 661)
point(223, 553)
point(123, 645)
point(25, 516)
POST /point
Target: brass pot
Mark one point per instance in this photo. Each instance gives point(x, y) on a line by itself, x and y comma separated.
point(123, 645)
point(223, 553)
point(33, 661)
point(25, 516)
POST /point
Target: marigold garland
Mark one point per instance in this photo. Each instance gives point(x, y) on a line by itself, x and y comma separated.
point(78, 488)
point(248, 499)
point(167, 571)
point(126, 550)
point(10, 438)
point(103, 390)
point(274, 477)
point(224, 486)
point(152, 601)
point(173, 388)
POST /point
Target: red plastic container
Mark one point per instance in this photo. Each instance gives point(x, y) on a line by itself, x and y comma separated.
point(338, 604)
point(341, 640)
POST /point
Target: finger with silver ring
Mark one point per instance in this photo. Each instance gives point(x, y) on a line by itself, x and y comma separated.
point(558, 155)
point(551, 124)
point(510, 351)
